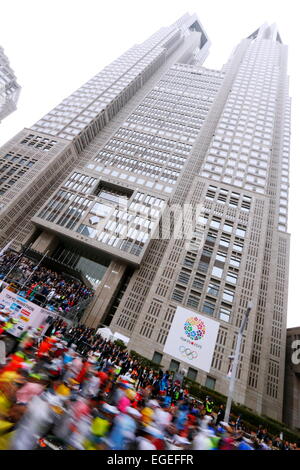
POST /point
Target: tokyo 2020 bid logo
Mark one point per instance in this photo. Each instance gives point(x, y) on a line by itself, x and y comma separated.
point(194, 328)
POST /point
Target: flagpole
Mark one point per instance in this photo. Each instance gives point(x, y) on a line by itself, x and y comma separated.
point(235, 364)
point(27, 279)
point(5, 248)
point(18, 259)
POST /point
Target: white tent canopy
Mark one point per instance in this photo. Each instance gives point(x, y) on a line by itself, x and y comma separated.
point(125, 339)
point(106, 333)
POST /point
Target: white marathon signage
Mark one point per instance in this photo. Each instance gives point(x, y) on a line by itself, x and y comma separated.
point(192, 338)
point(27, 313)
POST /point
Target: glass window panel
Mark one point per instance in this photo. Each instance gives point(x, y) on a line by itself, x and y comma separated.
point(216, 271)
point(210, 383)
point(232, 278)
point(208, 307)
point(101, 209)
point(225, 314)
point(227, 228)
point(213, 289)
point(240, 232)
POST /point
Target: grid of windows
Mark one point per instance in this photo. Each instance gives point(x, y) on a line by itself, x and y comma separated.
point(103, 216)
point(157, 137)
point(241, 149)
point(42, 143)
point(12, 167)
point(209, 274)
point(84, 113)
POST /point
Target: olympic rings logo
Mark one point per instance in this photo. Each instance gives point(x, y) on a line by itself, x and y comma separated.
point(188, 353)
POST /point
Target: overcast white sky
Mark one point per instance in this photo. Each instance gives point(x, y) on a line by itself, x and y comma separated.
point(55, 46)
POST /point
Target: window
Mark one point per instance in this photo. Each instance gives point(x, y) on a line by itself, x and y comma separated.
point(233, 202)
point(174, 366)
point(198, 282)
point(157, 357)
point(235, 261)
point(211, 192)
point(87, 231)
point(193, 299)
point(217, 271)
point(240, 232)
point(203, 267)
point(224, 242)
point(222, 195)
point(225, 314)
point(178, 295)
point(207, 251)
point(228, 227)
point(210, 382)
point(101, 209)
point(231, 277)
point(215, 224)
point(208, 307)
point(220, 257)
point(192, 374)
point(189, 261)
point(184, 277)
point(213, 289)
point(237, 246)
point(228, 295)
point(211, 238)
point(202, 220)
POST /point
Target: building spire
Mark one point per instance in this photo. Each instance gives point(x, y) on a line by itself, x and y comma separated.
point(266, 32)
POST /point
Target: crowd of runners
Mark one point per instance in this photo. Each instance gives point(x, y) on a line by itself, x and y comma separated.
point(71, 389)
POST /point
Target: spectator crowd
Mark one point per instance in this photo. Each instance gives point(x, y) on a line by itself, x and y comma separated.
point(42, 285)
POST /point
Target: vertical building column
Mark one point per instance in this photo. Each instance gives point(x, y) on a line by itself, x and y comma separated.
point(45, 242)
point(104, 294)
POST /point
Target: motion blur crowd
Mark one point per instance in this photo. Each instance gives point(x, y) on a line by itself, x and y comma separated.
point(56, 393)
point(38, 283)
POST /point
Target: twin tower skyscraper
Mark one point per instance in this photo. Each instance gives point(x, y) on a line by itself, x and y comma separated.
point(9, 88)
point(90, 184)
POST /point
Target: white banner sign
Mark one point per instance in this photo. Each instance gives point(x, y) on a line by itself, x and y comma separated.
point(192, 338)
point(27, 313)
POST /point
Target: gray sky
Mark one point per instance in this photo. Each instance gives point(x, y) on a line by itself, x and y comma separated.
point(55, 46)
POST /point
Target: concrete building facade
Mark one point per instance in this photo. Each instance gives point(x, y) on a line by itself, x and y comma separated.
point(153, 131)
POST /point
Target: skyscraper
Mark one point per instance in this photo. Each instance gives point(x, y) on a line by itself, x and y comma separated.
point(9, 88)
point(93, 181)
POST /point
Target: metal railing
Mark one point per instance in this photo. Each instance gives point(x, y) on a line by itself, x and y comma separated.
point(18, 287)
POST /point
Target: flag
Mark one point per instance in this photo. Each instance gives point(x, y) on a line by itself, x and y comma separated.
point(230, 369)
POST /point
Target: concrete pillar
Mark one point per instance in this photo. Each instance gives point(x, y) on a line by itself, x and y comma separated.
point(110, 282)
point(45, 242)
